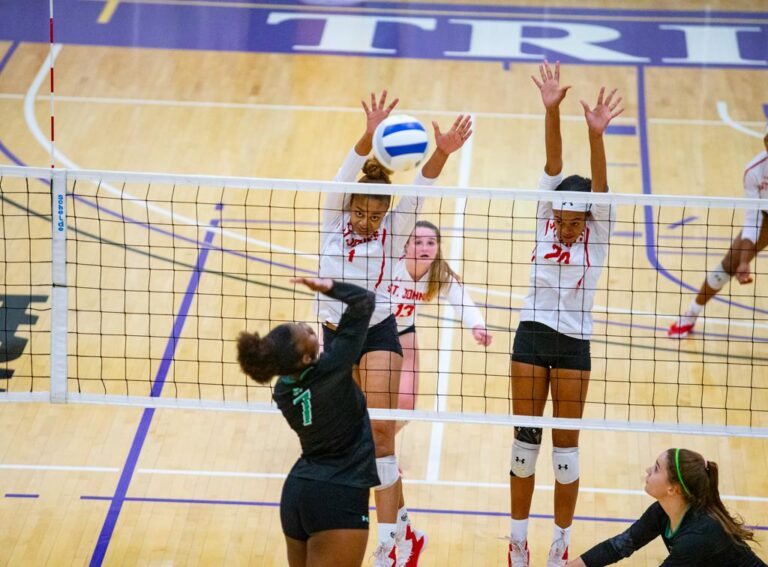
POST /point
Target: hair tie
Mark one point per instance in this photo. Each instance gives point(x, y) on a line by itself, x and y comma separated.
point(706, 465)
point(679, 476)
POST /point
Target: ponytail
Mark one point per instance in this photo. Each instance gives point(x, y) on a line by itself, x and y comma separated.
point(698, 479)
point(263, 358)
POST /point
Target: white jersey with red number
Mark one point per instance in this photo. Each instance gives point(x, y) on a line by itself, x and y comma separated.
point(365, 261)
point(755, 187)
point(405, 295)
point(564, 278)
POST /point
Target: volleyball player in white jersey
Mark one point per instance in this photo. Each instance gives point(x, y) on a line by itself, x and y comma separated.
point(420, 276)
point(551, 347)
point(361, 238)
point(752, 239)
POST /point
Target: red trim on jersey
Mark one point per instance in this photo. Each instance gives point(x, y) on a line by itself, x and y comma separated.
point(383, 257)
point(586, 246)
point(744, 178)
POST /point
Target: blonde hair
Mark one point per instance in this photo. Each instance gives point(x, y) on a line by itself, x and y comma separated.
point(440, 273)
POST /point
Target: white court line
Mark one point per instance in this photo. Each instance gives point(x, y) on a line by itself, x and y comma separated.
point(353, 109)
point(255, 475)
point(722, 111)
point(34, 128)
point(57, 468)
point(445, 347)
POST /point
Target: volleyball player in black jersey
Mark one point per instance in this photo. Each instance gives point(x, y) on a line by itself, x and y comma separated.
point(324, 504)
point(688, 514)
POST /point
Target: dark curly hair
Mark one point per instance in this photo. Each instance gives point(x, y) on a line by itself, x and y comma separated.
point(275, 354)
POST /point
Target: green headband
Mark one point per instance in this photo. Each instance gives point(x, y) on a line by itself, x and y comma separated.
point(679, 476)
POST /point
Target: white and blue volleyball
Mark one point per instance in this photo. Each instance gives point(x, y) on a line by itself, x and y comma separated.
point(400, 142)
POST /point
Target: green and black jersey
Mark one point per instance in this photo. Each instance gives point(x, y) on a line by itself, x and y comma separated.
point(327, 409)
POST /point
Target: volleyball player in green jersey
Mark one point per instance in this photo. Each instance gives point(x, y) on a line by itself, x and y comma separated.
point(697, 529)
point(324, 504)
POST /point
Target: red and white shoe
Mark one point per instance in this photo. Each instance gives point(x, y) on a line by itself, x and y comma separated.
point(682, 327)
point(409, 548)
point(385, 555)
point(519, 555)
point(558, 554)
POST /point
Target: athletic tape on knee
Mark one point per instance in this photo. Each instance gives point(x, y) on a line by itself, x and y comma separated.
point(718, 277)
point(524, 457)
point(565, 462)
point(388, 471)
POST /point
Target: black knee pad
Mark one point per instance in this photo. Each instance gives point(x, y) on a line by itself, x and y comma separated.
point(530, 435)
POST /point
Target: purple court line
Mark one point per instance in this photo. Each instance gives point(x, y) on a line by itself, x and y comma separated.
point(116, 504)
point(682, 222)
point(197, 243)
point(621, 130)
point(645, 162)
point(11, 156)
point(19, 495)
point(436, 511)
point(8, 55)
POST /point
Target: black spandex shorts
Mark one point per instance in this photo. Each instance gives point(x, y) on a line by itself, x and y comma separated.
point(311, 506)
point(541, 345)
point(411, 329)
point(381, 337)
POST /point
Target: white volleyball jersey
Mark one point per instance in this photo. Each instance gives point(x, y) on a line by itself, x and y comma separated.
point(404, 295)
point(564, 278)
point(365, 261)
point(755, 187)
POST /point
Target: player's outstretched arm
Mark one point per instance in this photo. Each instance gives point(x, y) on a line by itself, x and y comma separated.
point(323, 285)
point(598, 119)
point(552, 94)
point(447, 143)
point(375, 114)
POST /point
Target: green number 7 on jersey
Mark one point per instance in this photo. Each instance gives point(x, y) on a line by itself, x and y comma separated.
point(305, 399)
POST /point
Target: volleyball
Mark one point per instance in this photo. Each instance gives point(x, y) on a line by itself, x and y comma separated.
point(400, 142)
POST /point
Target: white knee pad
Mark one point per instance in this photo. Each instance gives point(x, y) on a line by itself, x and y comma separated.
point(718, 277)
point(524, 457)
point(388, 471)
point(565, 461)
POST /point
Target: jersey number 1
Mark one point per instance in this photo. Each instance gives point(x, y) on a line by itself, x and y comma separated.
point(305, 399)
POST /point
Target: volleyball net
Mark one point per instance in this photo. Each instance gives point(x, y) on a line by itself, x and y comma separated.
point(132, 288)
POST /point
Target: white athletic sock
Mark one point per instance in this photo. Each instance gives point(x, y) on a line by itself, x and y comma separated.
point(402, 522)
point(518, 530)
point(562, 533)
point(387, 534)
point(694, 309)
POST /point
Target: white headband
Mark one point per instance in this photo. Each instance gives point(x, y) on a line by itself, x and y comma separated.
point(571, 206)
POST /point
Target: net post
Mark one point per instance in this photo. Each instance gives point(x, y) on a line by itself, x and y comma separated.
point(59, 299)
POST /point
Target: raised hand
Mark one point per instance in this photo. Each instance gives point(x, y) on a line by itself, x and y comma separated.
point(743, 273)
point(322, 285)
point(450, 141)
point(552, 94)
point(606, 110)
point(378, 111)
point(482, 336)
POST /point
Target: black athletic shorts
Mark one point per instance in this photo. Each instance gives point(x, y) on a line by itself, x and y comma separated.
point(410, 329)
point(541, 345)
point(311, 506)
point(381, 337)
